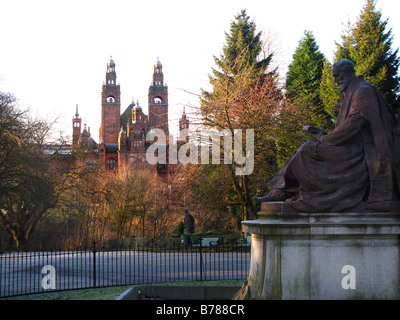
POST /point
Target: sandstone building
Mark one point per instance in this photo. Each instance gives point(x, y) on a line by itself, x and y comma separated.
point(122, 136)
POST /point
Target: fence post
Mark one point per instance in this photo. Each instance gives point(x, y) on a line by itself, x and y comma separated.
point(94, 263)
point(201, 261)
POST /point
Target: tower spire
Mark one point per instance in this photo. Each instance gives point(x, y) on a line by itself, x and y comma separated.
point(76, 127)
point(158, 100)
point(110, 106)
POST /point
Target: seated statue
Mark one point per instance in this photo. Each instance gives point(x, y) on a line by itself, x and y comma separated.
point(354, 168)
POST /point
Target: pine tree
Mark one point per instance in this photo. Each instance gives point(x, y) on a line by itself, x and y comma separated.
point(328, 90)
point(369, 47)
point(304, 77)
point(242, 48)
point(245, 95)
point(343, 50)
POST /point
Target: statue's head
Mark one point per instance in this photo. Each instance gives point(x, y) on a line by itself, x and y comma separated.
point(343, 72)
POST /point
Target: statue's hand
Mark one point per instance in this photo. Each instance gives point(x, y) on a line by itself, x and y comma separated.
point(319, 134)
point(311, 129)
point(315, 132)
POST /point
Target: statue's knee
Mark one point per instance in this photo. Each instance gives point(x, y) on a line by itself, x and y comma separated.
point(306, 146)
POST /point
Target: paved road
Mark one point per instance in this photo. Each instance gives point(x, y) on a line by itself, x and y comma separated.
point(22, 273)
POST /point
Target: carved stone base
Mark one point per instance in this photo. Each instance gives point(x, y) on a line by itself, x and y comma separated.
point(323, 255)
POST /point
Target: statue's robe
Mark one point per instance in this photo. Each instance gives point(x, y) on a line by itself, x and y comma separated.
point(353, 167)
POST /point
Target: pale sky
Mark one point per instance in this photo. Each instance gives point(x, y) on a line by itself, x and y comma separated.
point(54, 53)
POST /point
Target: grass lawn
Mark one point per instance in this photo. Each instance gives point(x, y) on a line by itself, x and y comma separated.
point(110, 292)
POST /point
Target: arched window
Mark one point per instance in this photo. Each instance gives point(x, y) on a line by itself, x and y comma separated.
point(91, 164)
point(111, 164)
point(132, 161)
point(157, 100)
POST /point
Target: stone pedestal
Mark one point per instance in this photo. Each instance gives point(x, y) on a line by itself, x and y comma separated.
point(323, 255)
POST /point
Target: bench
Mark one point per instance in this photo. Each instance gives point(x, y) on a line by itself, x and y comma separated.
point(245, 242)
point(206, 242)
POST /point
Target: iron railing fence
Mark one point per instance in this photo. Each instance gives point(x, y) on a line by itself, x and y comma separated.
point(23, 273)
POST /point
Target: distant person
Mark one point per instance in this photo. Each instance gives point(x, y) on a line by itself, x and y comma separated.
point(188, 222)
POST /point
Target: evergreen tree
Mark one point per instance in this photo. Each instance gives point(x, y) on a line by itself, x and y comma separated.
point(303, 90)
point(368, 46)
point(245, 95)
point(242, 48)
point(343, 50)
point(329, 91)
point(304, 77)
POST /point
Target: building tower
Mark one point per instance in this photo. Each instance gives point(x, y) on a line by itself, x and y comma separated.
point(184, 125)
point(76, 127)
point(85, 135)
point(137, 114)
point(110, 107)
point(183, 121)
point(158, 101)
